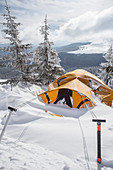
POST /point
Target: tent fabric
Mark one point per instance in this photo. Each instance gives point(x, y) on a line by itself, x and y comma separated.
point(101, 90)
point(79, 93)
point(76, 89)
point(82, 75)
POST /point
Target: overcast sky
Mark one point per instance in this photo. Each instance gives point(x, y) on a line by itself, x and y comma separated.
point(70, 20)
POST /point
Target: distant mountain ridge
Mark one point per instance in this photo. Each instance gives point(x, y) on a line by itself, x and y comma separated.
point(71, 47)
point(69, 61)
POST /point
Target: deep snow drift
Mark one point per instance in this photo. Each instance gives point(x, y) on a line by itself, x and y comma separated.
point(34, 139)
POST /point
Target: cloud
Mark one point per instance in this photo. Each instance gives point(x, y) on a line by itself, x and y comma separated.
point(69, 21)
point(56, 9)
point(31, 34)
point(90, 26)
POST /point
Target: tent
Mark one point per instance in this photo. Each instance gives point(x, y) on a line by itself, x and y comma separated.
point(76, 88)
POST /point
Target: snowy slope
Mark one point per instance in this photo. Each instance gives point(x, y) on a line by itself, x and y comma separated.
point(92, 48)
point(36, 140)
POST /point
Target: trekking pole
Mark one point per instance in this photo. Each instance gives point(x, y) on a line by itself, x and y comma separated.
point(99, 159)
point(6, 123)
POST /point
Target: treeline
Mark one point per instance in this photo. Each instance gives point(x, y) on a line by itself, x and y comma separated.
point(40, 66)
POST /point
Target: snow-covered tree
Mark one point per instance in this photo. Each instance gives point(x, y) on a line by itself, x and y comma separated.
point(46, 58)
point(106, 70)
point(15, 54)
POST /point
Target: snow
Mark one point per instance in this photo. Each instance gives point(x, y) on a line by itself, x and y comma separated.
point(92, 48)
point(34, 139)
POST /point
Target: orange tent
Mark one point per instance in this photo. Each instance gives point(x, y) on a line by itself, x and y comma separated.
point(76, 88)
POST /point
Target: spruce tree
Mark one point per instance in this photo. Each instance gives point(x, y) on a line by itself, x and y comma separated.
point(106, 70)
point(48, 66)
point(15, 54)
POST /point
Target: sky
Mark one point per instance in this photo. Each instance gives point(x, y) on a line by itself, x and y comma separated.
point(70, 20)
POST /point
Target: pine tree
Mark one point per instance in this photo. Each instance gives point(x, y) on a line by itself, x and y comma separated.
point(48, 66)
point(106, 70)
point(15, 55)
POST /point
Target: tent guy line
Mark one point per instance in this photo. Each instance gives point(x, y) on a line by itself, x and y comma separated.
point(84, 146)
point(92, 113)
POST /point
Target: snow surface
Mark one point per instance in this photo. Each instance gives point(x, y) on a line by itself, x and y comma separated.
point(36, 140)
point(92, 48)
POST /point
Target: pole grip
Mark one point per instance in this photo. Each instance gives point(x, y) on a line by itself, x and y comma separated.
point(12, 108)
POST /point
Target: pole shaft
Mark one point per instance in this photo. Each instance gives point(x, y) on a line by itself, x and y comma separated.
point(99, 142)
point(4, 128)
point(99, 159)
